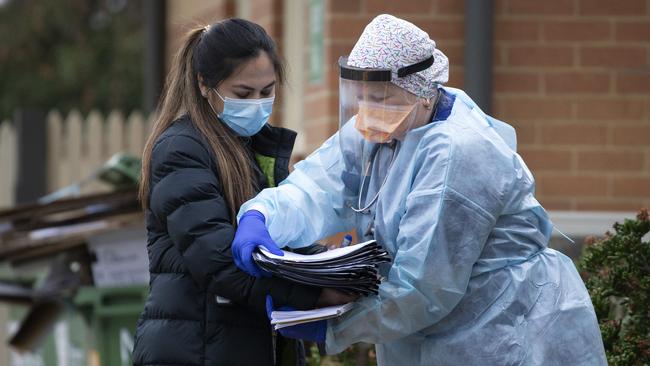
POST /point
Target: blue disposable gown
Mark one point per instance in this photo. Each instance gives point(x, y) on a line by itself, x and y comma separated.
point(472, 281)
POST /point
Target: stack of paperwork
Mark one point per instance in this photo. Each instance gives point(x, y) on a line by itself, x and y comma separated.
point(352, 269)
point(281, 319)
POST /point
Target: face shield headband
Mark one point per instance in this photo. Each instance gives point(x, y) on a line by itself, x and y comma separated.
point(364, 74)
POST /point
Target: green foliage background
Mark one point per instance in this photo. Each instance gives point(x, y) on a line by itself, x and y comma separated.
point(64, 54)
point(616, 270)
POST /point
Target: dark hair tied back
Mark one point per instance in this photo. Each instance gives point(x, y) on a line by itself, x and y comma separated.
point(225, 45)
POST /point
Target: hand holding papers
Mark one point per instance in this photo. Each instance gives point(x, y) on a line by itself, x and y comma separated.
point(312, 329)
point(352, 269)
point(286, 318)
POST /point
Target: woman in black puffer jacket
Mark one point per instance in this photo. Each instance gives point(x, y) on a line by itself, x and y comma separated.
point(211, 150)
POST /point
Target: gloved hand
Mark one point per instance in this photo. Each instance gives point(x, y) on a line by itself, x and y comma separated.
point(250, 234)
point(313, 331)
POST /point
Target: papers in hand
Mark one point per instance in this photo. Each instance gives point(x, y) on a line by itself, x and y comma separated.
point(281, 319)
point(351, 269)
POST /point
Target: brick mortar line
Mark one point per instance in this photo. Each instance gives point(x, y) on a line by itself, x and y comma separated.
point(567, 18)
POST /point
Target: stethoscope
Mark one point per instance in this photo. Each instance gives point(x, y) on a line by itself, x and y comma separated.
point(371, 161)
point(393, 145)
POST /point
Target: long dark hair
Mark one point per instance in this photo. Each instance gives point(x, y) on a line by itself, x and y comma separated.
point(214, 53)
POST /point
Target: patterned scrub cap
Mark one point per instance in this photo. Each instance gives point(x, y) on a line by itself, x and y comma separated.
point(388, 42)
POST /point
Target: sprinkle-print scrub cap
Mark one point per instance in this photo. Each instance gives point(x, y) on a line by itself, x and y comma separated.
point(391, 43)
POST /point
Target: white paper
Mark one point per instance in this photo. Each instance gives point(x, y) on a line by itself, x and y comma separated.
point(283, 319)
point(330, 254)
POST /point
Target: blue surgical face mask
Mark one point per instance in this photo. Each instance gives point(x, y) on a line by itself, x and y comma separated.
point(245, 116)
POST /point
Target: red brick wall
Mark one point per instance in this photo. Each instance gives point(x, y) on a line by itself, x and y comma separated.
point(573, 77)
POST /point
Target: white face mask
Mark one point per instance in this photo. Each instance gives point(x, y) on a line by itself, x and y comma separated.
point(245, 116)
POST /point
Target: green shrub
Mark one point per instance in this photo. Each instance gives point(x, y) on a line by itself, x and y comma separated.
point(616, 270)
point(360, 354)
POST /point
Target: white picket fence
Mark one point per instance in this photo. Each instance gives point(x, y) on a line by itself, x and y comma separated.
point(76, 146)
point(8, 157)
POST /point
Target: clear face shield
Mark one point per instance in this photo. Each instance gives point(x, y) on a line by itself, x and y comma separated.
point(378, 109)
point(382, 113)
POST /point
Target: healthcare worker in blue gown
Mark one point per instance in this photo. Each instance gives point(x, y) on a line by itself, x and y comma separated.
point(439, 184)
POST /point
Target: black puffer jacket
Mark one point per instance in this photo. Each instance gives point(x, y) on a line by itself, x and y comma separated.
point(189, 237)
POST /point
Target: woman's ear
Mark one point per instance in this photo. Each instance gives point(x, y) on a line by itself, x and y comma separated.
point(204, 89)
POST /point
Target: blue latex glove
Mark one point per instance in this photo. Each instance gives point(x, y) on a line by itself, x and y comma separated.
point(250, 234)
point(313, 331)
